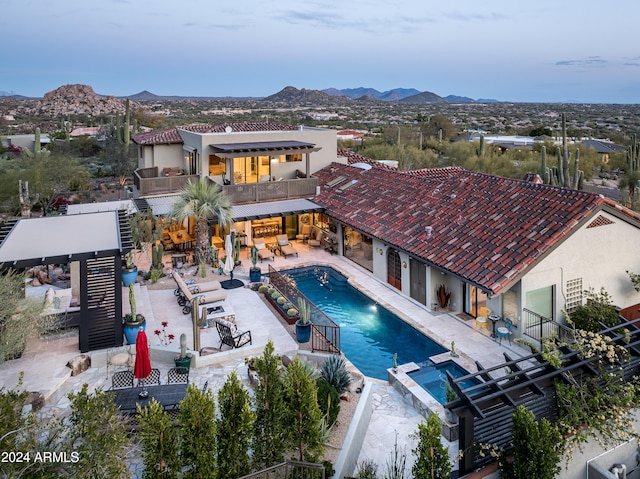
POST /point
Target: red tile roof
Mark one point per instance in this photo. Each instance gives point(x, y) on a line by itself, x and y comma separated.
point(171, 136)
point(485, 229)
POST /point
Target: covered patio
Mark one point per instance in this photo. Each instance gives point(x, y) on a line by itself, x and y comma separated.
point(92, 245)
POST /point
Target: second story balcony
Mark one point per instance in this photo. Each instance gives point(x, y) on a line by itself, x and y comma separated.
point(149, 183)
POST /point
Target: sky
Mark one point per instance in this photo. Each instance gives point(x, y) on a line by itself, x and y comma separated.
point(543, 51)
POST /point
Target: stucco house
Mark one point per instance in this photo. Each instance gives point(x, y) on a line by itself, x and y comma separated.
point(524, 250)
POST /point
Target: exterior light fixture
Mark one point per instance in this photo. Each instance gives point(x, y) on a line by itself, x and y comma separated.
point(404, 264)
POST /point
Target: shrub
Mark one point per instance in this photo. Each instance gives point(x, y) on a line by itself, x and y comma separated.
point(155, 274)
point(292, 312)
point(281, 300)
point(287, 306)
point(271, 290)
point(263, 289)
point(536, 448)
point(334, 371)
point(328, 401)
point(598, 309)
point(432, 457)
point(275, 295)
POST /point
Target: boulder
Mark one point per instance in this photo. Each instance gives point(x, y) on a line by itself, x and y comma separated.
point(35, 399)
point(79, 364)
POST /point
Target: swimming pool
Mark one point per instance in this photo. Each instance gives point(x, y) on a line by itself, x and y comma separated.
point(369, 333)
point(433, 377)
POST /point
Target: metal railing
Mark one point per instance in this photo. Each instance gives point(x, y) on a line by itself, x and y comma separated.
point(537, 326)
point(290, 470)
point(148, 182)
point(325, 334)
point(271, 190)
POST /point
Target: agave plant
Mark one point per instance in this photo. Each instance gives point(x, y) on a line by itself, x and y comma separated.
point(334, 371)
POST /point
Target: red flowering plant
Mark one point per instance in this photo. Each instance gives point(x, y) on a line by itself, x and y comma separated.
point(164, 337)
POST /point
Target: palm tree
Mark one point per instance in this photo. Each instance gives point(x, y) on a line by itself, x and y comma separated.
point(203, 200)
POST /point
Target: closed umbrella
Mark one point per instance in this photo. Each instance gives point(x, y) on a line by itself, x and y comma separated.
point(228, 247)
point(142, 367)
point(229, 265)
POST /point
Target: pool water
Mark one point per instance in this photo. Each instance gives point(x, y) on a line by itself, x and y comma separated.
point(433, 377)
point(369, 333)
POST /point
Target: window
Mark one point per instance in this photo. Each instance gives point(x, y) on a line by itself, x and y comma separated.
point(217, 165)
point(294, 157)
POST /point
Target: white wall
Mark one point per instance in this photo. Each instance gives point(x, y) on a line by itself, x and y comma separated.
point(324, 139)
point(162, 156)
point(600, 256)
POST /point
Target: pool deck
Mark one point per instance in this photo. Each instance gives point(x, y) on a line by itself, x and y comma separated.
point(393, 419)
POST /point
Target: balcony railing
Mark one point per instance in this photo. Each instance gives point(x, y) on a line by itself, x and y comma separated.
point(271, 190)
point(149, 183)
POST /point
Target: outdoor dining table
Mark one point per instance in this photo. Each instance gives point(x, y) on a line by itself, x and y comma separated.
point(181, 239)
point(168, 395)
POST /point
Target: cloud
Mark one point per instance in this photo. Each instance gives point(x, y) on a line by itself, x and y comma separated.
point(632, 62)
point(584, 62)
point(476, 17)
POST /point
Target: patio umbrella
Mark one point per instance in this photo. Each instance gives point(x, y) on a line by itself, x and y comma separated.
point(229, 265)
point(142, 367)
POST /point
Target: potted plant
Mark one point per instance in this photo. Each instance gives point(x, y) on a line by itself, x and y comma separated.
point(132, 322)
point(444, 296)
point(129, 270)
point(255, 273)
point(303, 325)
point(184, 359)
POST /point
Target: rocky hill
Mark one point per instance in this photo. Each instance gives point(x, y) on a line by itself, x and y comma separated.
point(424, 97)
point(78, 100)
point(291, 94)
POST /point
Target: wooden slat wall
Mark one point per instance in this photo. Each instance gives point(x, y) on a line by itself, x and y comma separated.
point(99, 329)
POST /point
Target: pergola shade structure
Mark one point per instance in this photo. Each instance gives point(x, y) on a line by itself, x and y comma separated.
point(232, 150)
point(488, 397)
point(97, 241)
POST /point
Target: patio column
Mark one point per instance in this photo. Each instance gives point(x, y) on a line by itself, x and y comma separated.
point(307, 161)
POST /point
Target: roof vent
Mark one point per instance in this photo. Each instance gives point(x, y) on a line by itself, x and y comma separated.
point(429, 231)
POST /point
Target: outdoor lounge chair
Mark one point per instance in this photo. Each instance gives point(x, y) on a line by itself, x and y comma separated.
point(185, 292)
point(305, 233)
point(285, 247)
point(317, 241)
point(263, 252)
point(230, 336)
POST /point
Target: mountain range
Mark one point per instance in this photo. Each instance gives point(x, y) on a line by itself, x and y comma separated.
point(326, 96)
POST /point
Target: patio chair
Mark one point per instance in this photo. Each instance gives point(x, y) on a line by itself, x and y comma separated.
point(285, 247)
point(263, 252)
point(317, 241)
point(505, 331)
point(152, 378)
point(178, 376)
point(305, 233)
point(481, 319)
point(122, 379)
point(230, 336)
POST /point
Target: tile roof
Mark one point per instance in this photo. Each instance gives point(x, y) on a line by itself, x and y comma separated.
point(171, 136)
point(485, 229)
point(603, 146)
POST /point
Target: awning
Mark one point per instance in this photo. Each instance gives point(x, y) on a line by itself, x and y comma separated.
point(231, 150)
point(257, 211)
point(162, 205)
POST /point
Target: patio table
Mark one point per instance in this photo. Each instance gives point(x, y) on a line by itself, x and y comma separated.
point(181, 239)
point(168, 395)
point(494, 318)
